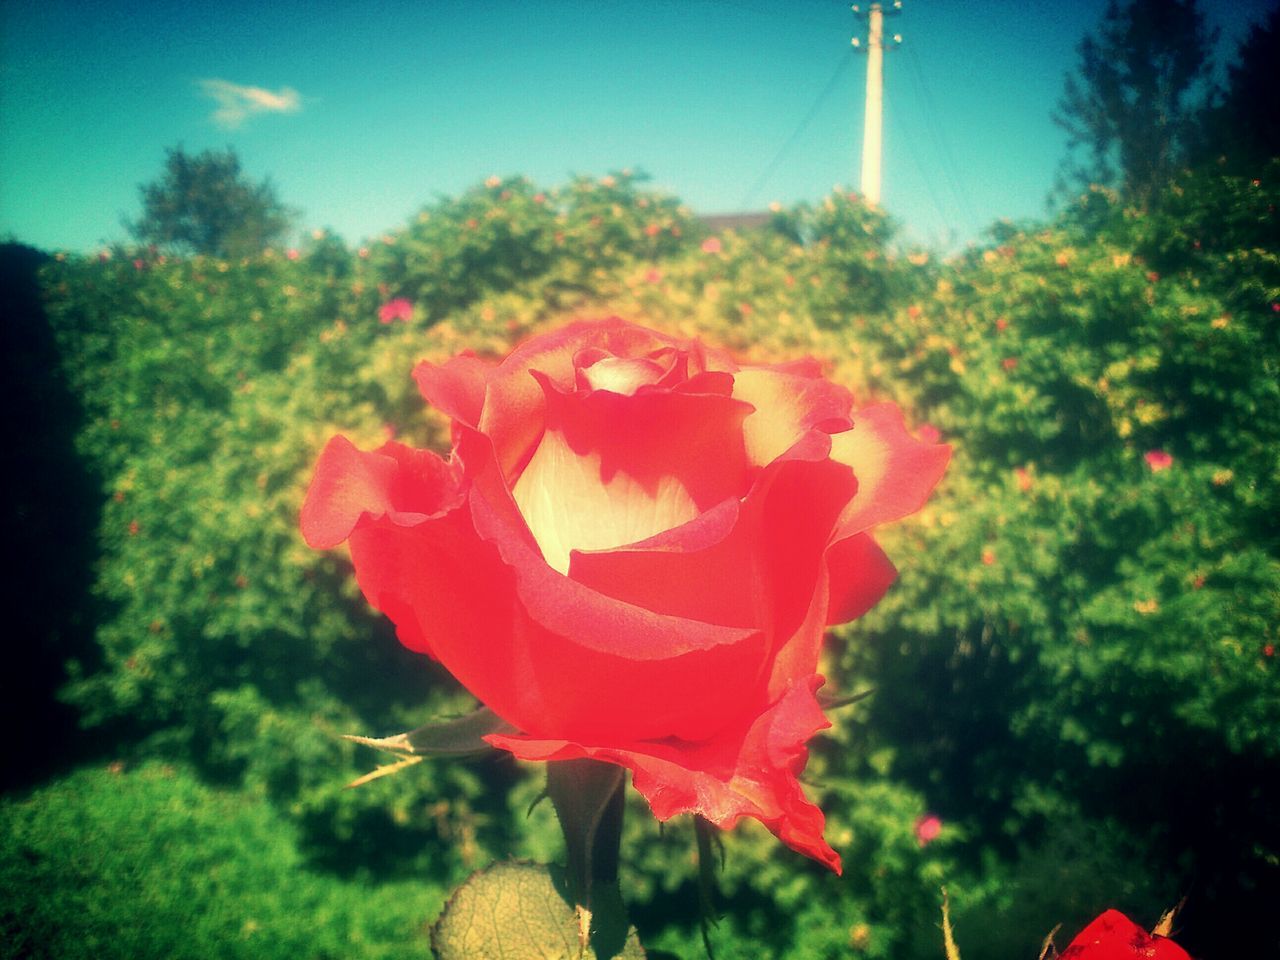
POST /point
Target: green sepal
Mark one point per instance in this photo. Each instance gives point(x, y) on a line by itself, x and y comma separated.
point(456, 737)
point(828, 702)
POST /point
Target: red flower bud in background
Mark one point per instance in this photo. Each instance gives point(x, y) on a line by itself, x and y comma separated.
point(633, 553)
point(397, 309)
point(1113, 936)
point(1158, 460)
point(928, 828)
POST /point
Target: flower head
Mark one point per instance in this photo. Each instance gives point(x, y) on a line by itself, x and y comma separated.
point(625, 514)
point(397, 309)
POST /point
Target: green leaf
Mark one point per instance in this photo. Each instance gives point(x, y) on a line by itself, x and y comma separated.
point(513, 909)
point(459, 737)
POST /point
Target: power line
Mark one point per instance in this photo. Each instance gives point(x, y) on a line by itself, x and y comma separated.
point(845, 58)
point(940, 142)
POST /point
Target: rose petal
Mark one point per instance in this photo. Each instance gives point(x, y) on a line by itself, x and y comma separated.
point(755, 565)
point(613, 469)
point(349, 483)
point(513, 410)
point(896, 473)
point(860, 574)
point(455, 388)
point(748, 772)
point(787, 406)
point(543, 652)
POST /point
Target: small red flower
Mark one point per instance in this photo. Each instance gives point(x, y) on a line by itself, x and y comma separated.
point(652, 230)
point(1113, 936)
point(133, 528)
point(363, 253)
point(711, 245)
point(397, 309)
point(539, 198)
point(1269, 650)
point(928, 433)
point(139, 264)
point(988, 557)
point(913, 311)
point(928, 828)
point(1152, 276)
point(653, 276)
point(1009, 363)
point(1024, 478)
point(292, 253)
point(1002, 324)
point(1158, 460)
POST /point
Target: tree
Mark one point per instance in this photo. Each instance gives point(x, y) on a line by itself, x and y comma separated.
point(1135, 105)
point(204, 204)
point(1244, 129)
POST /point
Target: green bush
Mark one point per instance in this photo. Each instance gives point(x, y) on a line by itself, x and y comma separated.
point(150, 862)
point(1075, 671)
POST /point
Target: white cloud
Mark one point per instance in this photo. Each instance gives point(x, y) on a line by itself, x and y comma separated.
point(237, 102)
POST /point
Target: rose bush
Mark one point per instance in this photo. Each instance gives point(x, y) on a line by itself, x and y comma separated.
point(632, 554)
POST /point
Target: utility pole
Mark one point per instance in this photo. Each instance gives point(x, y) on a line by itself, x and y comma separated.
point(873, 118)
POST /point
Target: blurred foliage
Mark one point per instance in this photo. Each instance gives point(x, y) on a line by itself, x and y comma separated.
point(165, 866)
point(1075, 672)
point(204, 204)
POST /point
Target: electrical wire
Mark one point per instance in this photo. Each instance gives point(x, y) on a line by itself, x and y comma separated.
point(772, 168)
point(938, 134)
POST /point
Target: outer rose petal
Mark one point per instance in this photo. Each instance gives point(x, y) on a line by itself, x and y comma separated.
point(395, 480)
point(749, 773)
point(455, 388)
point(860, 575)
point(1113, 936)
point(896, 473)
point(789, 402)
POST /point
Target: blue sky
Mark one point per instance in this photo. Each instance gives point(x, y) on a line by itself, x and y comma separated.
point(361, 113)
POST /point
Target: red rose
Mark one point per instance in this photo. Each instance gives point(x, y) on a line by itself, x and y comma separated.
point(1113, 936)
point(632, 554)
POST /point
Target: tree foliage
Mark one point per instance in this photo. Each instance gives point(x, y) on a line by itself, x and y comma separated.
point(1243, 130)
point(203, 203)
point(1134, 105)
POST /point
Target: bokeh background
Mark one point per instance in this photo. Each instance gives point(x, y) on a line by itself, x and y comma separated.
point(1076, 700)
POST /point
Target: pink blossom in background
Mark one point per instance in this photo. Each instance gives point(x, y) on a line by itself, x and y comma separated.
point(397, 309)
point(928, 828)
point(929, 433)
point(293, 253)
point(711, 245)
point(1158, 460)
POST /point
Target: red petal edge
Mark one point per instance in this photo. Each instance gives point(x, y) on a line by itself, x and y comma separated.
point(751, 774)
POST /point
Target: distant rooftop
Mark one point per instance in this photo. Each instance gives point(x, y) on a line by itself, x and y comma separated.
point(735, 221)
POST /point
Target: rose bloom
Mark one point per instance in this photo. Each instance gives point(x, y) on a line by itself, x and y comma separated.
point(397, 309)
point(632, 554)
point(1113, 936)
point(1158, 460)
point(928, 828)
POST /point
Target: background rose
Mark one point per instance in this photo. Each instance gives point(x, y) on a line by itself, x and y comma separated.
point(632, 555)
point(1113, 936)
